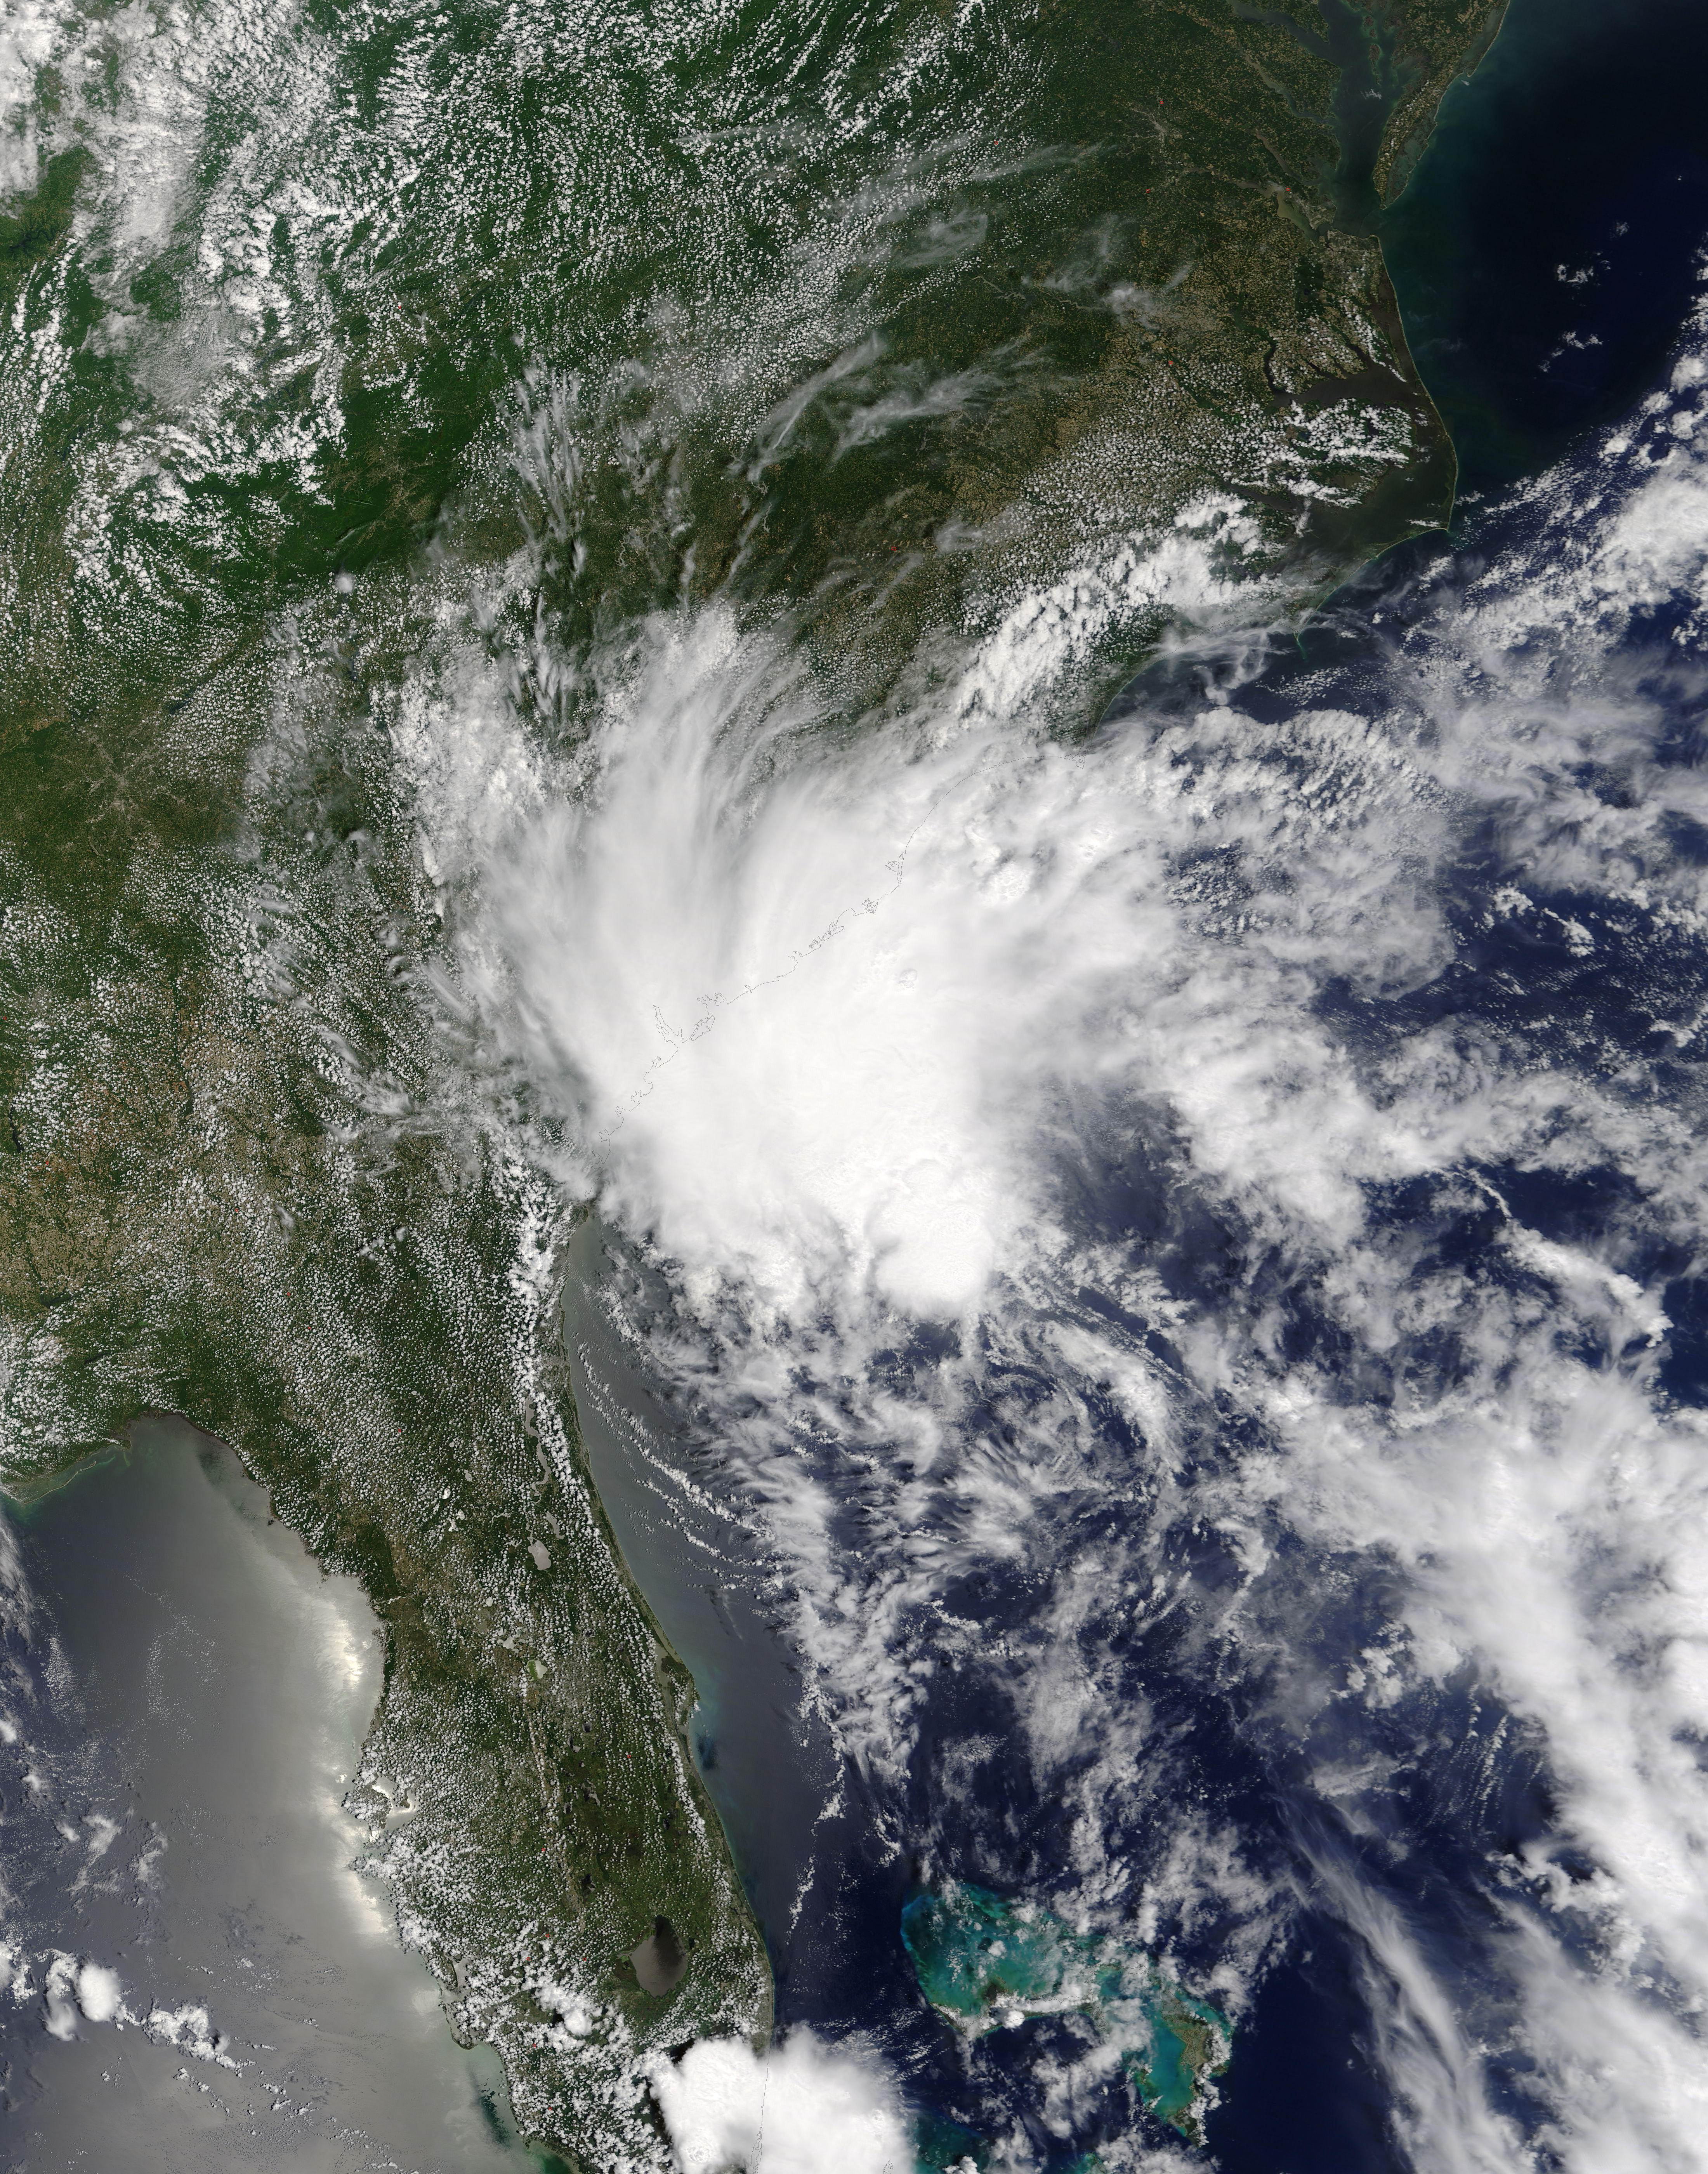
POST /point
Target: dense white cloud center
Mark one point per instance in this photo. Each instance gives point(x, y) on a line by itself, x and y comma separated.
point(822, 1017)
point(780, 1069)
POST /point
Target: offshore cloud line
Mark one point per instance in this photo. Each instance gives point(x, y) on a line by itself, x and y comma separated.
point(920, 993)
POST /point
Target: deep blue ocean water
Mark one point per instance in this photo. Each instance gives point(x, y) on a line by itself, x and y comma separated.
point(1543, 253)
point(1411, 1868)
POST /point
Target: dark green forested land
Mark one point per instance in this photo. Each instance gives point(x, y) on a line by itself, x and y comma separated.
point(351, 354)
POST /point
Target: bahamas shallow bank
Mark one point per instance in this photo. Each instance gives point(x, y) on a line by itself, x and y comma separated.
point(421, 433)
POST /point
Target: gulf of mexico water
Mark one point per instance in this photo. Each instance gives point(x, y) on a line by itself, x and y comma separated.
point(195, 1976)
point(1164, 1366)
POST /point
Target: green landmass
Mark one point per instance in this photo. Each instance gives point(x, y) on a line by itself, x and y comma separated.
point(1433, 44)
point(359, 365)
point(989, 1964)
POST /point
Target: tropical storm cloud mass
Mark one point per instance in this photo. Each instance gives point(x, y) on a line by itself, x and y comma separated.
point(852, 977)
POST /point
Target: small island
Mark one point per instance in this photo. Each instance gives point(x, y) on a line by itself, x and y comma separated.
point(986, 1964)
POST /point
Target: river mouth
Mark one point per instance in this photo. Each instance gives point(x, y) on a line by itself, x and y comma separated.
point(200, 1977)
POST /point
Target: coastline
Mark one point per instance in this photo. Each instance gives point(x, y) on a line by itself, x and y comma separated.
point(214, 1682)
point(1411, 127)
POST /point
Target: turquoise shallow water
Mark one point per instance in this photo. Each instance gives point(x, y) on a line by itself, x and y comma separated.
point(989, 1964)
point(1388, 1828)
